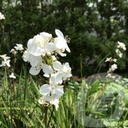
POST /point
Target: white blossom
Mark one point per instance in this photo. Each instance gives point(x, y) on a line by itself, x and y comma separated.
point(19, 47)
point(34, 60)
point(121, 45)
point(55, 102)
point(110, 59)
point(46, 36)
point(13, 51)
point(2, 17)
point(60, 43)
point(119, 53)
point(112, 68)
point(35, 45)
point(51, 94)
point(12, 76)
point(56, 78)
point(114, 60)
point(65, 69)
point(5, 60)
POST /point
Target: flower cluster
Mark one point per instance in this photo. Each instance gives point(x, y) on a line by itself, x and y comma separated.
point(120, 46)
point(6, 59)
point(2, 17)
point(113, 67)
point(41, 53)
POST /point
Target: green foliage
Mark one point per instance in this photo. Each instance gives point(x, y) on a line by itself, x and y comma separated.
point(91, 25)
point(19, 105)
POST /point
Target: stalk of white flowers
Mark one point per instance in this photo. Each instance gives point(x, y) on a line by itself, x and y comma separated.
point(41, 53)
point(120, 46)
point(113, 67)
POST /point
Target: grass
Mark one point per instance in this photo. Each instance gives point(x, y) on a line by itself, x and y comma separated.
point(19, 107)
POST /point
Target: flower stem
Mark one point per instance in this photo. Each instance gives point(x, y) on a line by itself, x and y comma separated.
point(46, 115)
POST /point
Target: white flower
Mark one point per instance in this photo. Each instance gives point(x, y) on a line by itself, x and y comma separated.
point(56, 78)
point(114, 60)
point(51, 93)
point(52, 90)
point(19, 47)
point(12, 76)
point(54, 102)
point(37, 65)
point(35, 45)
point(6, 61)
point(2, 17)
point(112, 68)
point(108, 59)
point(121, 45)
point(119, 53)
point(13, 51)
point(40, 44)
point(34, 60)
point(60, 43)
point(4, 57)
point(46, 36)
point(65, 69)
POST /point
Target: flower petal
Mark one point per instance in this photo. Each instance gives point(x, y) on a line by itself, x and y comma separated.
point(46, 35)
point(34, 71)
point(59, 91)
point(57, 65)
point(56, 103)
point(59, 33)
point(47, 69)
point(50, 47)
point(45, 89)
point(56, 79)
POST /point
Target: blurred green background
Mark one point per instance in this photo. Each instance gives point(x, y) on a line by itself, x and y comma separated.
point(94, 27)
